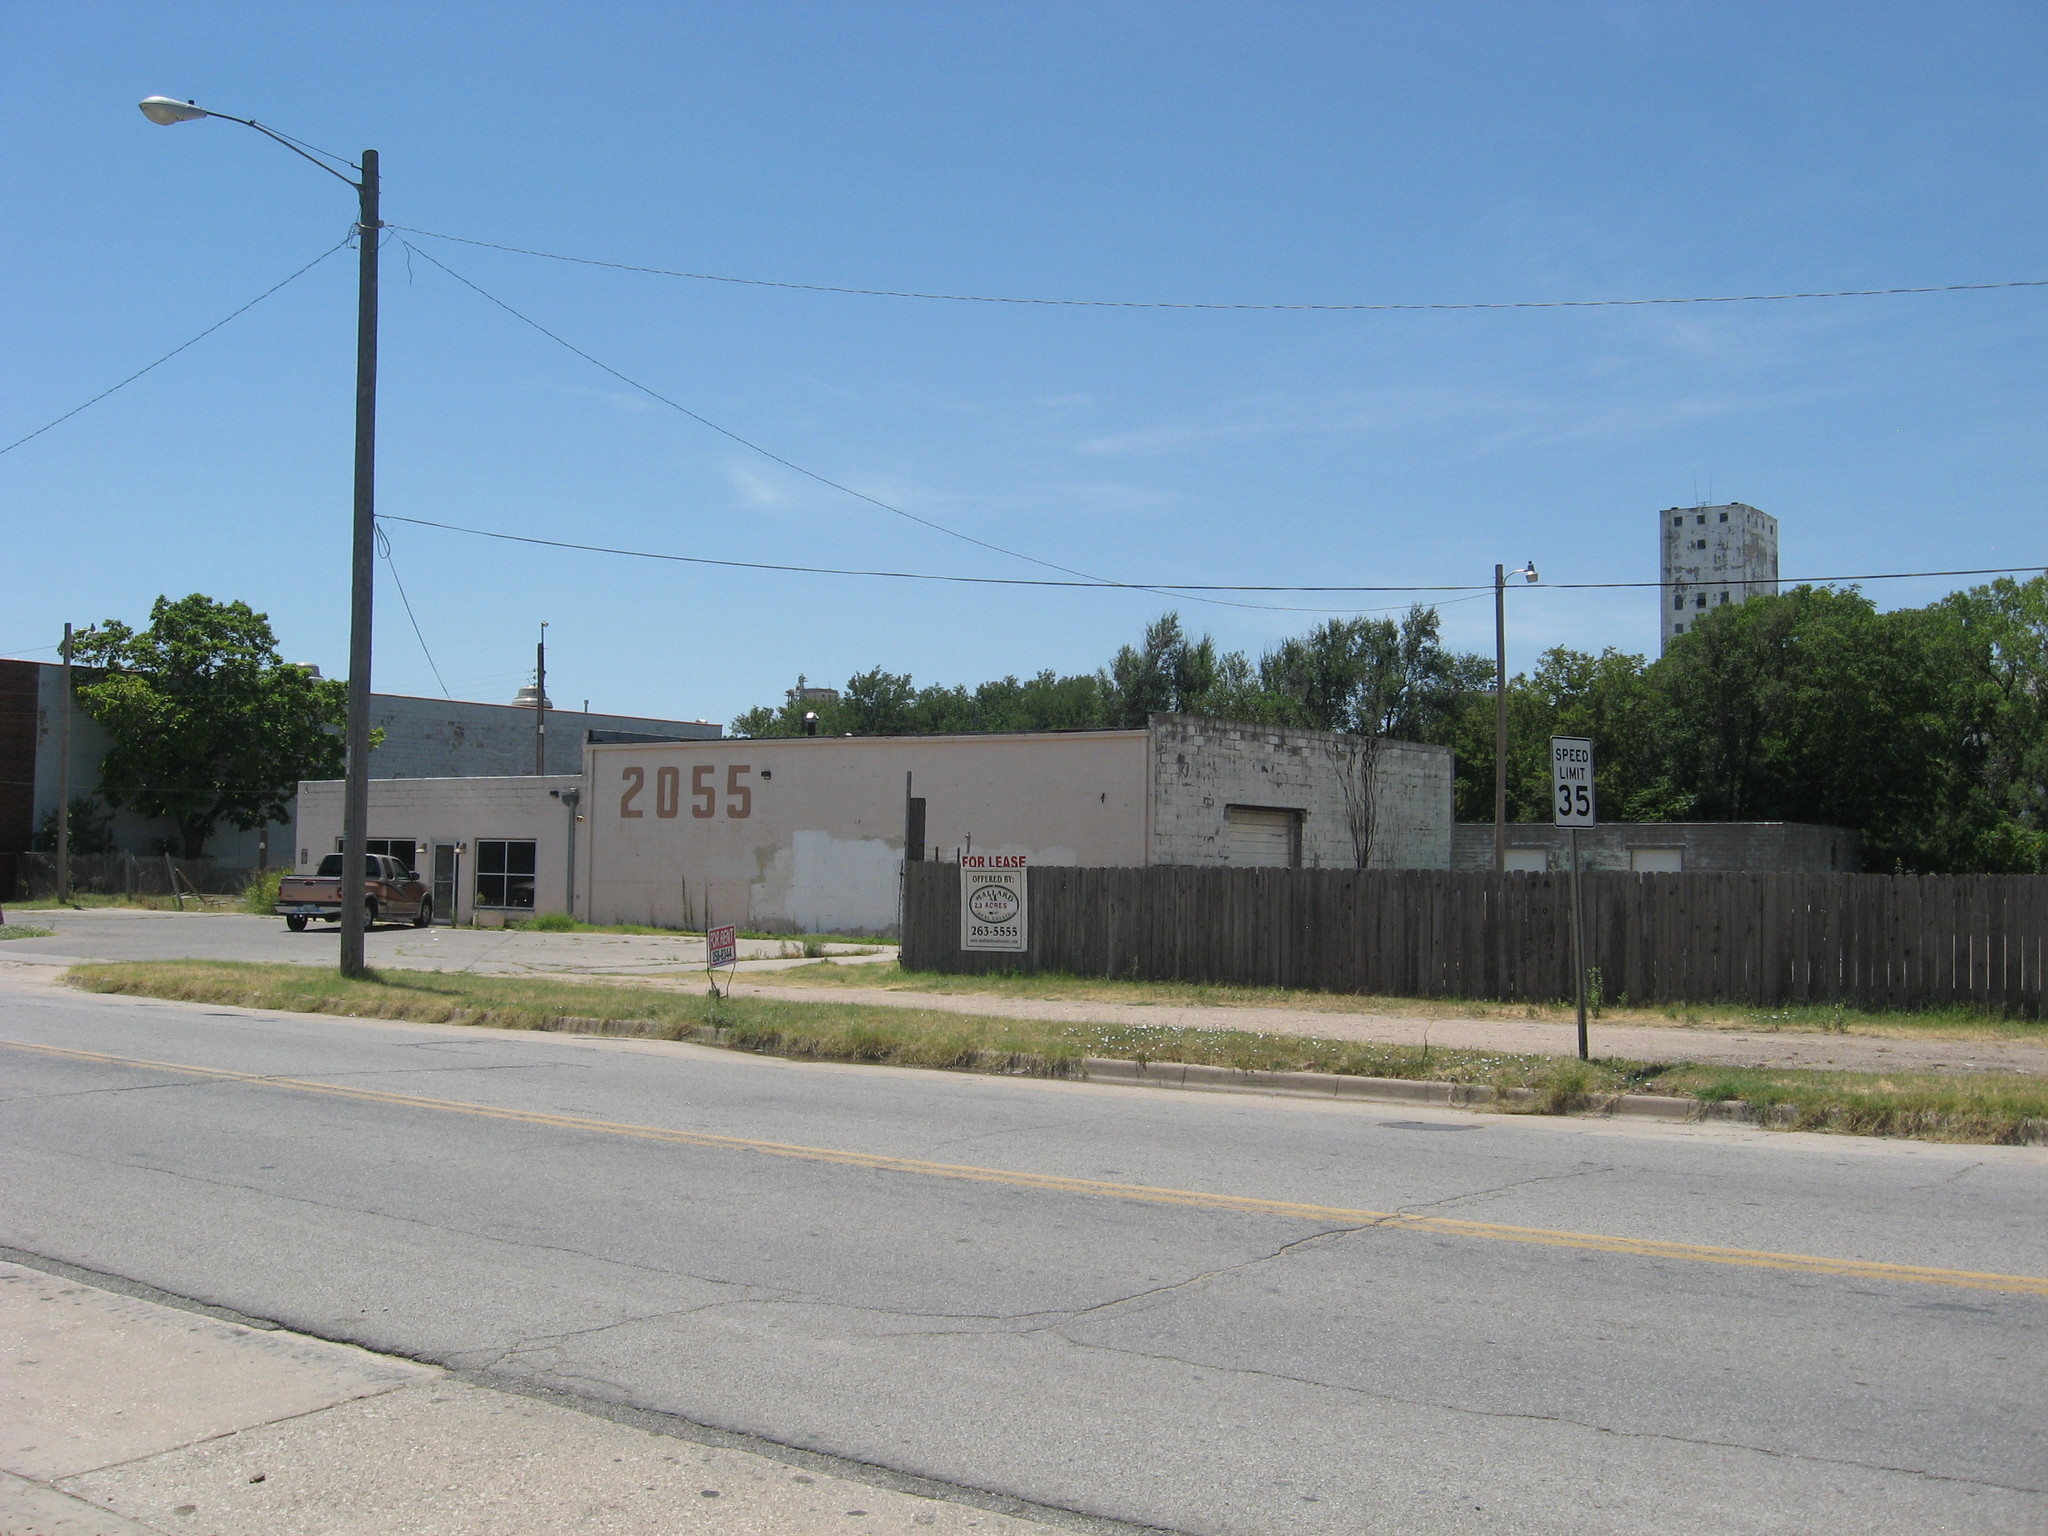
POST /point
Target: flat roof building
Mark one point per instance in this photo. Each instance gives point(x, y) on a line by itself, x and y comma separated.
point(809, 834)
point(1713, 556)
point(423, 738)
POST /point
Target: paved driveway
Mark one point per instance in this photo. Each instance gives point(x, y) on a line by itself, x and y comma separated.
point(131, 935)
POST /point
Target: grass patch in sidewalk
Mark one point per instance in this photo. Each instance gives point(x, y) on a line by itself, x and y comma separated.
point(1944, 1023)
point(1982, 1107)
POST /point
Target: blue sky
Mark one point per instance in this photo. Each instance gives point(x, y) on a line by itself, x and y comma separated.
point(1283, 152)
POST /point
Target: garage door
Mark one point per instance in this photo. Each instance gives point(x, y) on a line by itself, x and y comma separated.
point(1657, 861)
point(1263, 838)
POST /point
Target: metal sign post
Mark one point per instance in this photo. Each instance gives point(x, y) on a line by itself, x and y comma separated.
point(722, 948)
point(1571, 806)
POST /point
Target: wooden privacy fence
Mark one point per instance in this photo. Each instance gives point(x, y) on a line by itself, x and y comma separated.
point(1875, 941)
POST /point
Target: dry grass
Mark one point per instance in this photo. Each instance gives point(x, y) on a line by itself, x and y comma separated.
point(1980, 1107)
point(1956, 1024)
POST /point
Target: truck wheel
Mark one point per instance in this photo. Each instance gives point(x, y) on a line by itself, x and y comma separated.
point(425, 916)
point(369, 913)
point(296, 922)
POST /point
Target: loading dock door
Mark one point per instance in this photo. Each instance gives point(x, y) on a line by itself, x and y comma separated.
point(1260, 837)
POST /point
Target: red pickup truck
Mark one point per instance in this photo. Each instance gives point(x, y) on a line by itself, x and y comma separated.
point(390, 892)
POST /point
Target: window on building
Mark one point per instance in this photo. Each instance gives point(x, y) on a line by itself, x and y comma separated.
point(1702, 519)
point(1678, 629)
point(504, 872)
point(1724, 517)
point(1700, 601)
point(1724, 597)
point(1678, 522)
point(1678, 601)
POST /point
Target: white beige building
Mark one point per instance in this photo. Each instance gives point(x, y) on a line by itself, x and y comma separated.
point(808, 834)
point(1713, 556)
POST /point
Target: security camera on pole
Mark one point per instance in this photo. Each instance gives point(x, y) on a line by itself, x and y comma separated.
point(1571, 805)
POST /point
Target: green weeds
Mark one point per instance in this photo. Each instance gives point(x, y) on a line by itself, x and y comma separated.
point(1973, 1107)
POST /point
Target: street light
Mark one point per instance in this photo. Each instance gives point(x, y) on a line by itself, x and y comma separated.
point(165, 111)
point(1500, 708)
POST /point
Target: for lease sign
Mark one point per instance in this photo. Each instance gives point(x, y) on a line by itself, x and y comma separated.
point(995, 900)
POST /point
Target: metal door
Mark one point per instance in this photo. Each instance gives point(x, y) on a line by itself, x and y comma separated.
point(447, 868)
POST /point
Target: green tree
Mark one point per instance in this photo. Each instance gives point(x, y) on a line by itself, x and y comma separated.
point(208, 724)
point(91, 830)
point(1813, 706)
point(1165, 674)
point(1608, 698)
point(1372, 677)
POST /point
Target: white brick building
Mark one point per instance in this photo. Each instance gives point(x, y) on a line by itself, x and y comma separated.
point(1713, 556)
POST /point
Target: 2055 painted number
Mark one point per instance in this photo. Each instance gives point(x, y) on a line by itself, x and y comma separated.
point(668, 792)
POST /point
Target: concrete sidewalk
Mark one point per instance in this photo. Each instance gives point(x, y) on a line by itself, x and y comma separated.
point(123, 1417)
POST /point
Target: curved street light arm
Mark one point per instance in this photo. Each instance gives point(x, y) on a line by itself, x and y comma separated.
point(250, 122)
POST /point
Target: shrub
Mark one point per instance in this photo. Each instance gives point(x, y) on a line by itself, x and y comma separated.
point(548, 922)
point(260, 894)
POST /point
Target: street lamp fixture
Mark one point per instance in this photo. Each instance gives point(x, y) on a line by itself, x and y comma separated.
point(166, 112)
point(1500, 707)
point(163, 111)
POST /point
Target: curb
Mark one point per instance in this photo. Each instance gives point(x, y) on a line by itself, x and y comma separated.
point(1196, 1078)
point(1400, 1090)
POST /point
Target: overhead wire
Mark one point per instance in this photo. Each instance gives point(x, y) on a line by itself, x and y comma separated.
point(1477, 588)
point(767, 453)
point(986, 298)
point(384, 549)
point(138, 373)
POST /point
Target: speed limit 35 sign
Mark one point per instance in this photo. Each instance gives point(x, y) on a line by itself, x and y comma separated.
point(1571, 781)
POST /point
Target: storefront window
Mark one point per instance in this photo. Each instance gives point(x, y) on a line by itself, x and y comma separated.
point(504, 872)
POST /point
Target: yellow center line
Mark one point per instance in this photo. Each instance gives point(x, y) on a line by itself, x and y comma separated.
point(1649, 1248)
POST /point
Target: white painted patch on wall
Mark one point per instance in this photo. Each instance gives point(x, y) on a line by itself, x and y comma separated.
point(825, 884)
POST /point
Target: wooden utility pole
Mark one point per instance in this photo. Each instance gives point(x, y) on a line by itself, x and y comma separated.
point(540, 702)
point(64, 777)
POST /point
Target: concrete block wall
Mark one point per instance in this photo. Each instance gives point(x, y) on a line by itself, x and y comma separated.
point(459, 738)
point(1201, 767)
point(1754, 847)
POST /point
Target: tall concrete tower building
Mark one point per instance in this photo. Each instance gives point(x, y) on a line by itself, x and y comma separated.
point(1712, 556)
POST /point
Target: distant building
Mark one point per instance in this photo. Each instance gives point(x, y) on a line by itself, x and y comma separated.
point(1667, 847)
point(1714, 556)
point(423, 739)
point(804, 693)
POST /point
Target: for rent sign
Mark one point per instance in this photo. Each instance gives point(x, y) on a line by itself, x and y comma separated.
point(994, 902)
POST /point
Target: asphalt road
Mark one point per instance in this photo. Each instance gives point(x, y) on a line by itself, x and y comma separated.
point(1215, 1335)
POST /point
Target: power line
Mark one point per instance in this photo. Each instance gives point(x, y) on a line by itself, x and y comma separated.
point(138, 373)
point(1133, 586)
point(384, 549)
point(776, 458)
point(984, 298)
